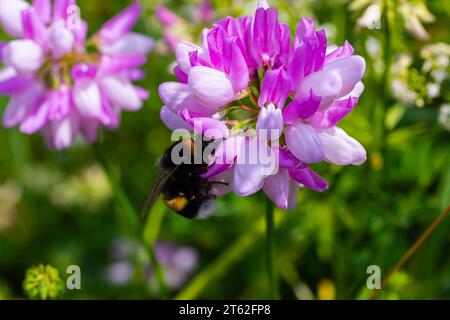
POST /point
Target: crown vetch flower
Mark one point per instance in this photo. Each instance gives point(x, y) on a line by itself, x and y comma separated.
point(62, 84)
point(297, 91)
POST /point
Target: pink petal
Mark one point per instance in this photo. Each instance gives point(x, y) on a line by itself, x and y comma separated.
point(2, 46)
point(43, 9)
point(131, 44)
point(305, 29)
point(270, 122)
point(182, 51)
point(20, 104)
point(234, 65)
point(84, 71)
point(34, 28)
point(121, 93)
point(209, 127)
point(60, 39)
point(118, 64)
point(177, 96)
point(215, 40)
point(285, 43)
point(247, 179)
point(350, 70)
point(172, 120)
point(308, 57)
point(89, 129)
point(181, 76)
point(60, 9)
point(121, 24)
point(142, 93)
point(11, 16)
point(293, 194)
point(335, 113)
point(309, 179)
point(63, 132)
point(341, 52)
point(326, 84)
point(275, 88)
point(11, 83)
point(254, 163)
point(79, 30)
point(303, 141)
point(60, 103)
point(196, 60)
point(301, 109)
point(225, 155)
point(277, 188)
point(110, 116)
point(36, 119)
point(296, 67)
point(25, 56)
point(287, 160)
point(136, 74)
point(205, 11)
point(266, 36)
point(211, 86)
point(241, 28)
point(165, 16)
point(87, 98)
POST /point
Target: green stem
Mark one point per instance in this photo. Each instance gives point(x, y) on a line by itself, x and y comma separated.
point(385, 86)
point(270, 250)
point(133, 219)
point(226, 260)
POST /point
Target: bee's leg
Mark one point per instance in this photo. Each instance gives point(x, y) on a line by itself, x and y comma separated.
point(220, 182)
point(211, 197)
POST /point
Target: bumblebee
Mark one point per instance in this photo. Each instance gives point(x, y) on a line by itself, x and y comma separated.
point(181, 185)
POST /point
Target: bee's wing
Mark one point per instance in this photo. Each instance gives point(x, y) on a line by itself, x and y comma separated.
point(156, 189)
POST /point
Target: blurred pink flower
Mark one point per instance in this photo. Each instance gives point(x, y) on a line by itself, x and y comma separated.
point(177, 29)
point(179, 262)
point(62, 84)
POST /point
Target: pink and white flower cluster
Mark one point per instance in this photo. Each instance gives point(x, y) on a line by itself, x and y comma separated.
point(62, 84)
point(248, 74)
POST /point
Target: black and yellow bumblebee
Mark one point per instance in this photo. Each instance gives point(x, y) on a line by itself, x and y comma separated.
point(182, 186)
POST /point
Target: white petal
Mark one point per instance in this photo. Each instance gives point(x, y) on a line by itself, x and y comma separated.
point(64, 131)
point(173, 120)
point(121, 93)
point(254, 163)
point(326, 84)
point(25, 56)
point(341, 149)
point(87, 98)
point(11, 16)
point(270, 119)
point(210, 86)
point(350, 69)
point(303, 141)
point(182, 52)
point(20, 104)
point(130, 44)
point(60, 39)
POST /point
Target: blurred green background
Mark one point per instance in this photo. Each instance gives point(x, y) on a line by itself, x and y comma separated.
point(57, 207)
